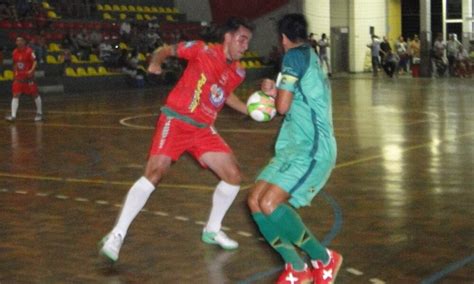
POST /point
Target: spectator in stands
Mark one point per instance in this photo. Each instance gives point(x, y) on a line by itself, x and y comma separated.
point(95, 40)
point(70, 42)
point(401, 48)
point(390, 63)
point(23, 9)
point(452, 49)
point(384, 49)
point(84, 44)
point(65, 58)
point(375, 53)
point(414, 50)
point(153, 39)
point(439, 60)
point(323, 45)
point(42, 46)
point(312, 41)
point(462, 62)
point(107, 53)
point(125, 31)
point(7, 11)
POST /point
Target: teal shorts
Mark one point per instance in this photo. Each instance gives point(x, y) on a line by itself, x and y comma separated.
point(301, 178)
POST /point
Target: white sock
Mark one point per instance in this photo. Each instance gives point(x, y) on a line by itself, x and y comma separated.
point(134, 203)
point(15, 104)
point(222, 199)
point(39, 108)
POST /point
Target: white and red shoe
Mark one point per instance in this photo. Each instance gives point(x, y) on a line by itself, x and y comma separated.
point(326, 273)
point(291, 276)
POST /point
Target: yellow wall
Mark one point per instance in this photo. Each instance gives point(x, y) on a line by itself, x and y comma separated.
point(394, 20)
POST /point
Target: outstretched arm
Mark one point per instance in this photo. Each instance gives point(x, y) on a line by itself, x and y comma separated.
point(159, 56)
point(234, 102)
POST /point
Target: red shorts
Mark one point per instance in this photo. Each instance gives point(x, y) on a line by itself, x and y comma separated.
point(173, 137)
point(26, 88)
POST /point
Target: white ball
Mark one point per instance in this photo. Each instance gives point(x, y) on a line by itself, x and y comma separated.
point(261, 107)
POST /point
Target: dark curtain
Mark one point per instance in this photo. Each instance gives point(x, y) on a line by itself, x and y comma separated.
point(250, 9)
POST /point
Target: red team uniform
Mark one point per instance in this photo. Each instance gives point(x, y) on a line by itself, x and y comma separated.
point(23, 59)
point(187, 119)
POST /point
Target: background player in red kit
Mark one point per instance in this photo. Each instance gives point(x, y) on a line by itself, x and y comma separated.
point(186, 124)
point(24, 66)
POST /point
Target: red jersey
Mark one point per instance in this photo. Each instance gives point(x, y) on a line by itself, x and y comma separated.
point(206, 83)
point(23, 59)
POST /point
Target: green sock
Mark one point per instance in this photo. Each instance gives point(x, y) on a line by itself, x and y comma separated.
point(284, 247)
point(293, 228)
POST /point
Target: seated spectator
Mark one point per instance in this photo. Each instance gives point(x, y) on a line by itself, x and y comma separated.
point(108, 53)
point(65, 58)
point(70, 42)
point(390, 63)
point(125, 31)
point(95, 41)
point(153, 40)
point(84, 44)
point(7, 11)
point(38, 44)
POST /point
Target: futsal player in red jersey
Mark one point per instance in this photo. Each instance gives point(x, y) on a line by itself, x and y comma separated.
point(24, 66)
point(186, 125)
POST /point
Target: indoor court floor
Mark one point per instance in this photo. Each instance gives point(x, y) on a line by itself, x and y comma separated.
point(399, 205)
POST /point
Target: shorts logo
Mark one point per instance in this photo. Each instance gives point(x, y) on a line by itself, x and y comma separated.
point(217, 95)
point(164, 133)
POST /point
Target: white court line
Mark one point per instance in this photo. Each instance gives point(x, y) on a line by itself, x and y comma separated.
point(350, 270)
point(354, 271)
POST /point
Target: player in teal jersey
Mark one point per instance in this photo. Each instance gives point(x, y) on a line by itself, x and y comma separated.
point(305, 154)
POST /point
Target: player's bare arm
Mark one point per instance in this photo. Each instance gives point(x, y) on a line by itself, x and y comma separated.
point(32, 70)
point(234, 102)
point(283, 101)
point(159, 56)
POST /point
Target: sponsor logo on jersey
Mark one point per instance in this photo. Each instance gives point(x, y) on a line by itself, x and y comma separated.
point(197, 93)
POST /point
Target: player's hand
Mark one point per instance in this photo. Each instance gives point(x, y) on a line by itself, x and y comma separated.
point(268, 87)
point(155, 68)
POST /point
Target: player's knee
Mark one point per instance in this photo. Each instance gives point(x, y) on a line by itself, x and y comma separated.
point(155, 170)
point(233, 175)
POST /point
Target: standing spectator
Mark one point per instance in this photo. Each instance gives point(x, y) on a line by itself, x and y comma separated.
point(375, 52)
point(384, 49)
point(312, 42)
point(438, 56)
point(414, 48)
point(402, 52)
point(24, 66)
point(323, 45)
point(452, 49)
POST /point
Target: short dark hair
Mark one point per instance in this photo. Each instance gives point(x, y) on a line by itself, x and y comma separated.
point(233, 24)
point(294, 27)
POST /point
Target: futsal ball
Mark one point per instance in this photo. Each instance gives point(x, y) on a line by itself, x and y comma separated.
point(261, 107)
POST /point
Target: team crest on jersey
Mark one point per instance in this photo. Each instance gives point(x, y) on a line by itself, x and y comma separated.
point(216, 96)
point(20, 65)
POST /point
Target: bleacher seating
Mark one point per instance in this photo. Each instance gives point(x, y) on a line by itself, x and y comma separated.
point(107, 20)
